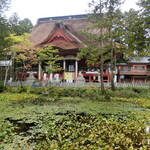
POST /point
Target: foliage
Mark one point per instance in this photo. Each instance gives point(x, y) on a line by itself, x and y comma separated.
point(144, 15)
point(2, 88)
point(4, 30)
point(143, 102)
point(48, 120)
point(101, 36)
point(87, 132)
point(133, 92)
point(134, 38)
point(4, 5)
point(53, 94)
point(4, 26)
point(33, 103)
point(49, 56)
point(6, 132)
point(16, 97)
point(22, 52)
point(19, 27)
point(135, 30)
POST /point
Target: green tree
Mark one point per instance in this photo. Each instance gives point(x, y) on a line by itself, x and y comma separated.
point(133, 34)
point(9, 51)
point(144, 14)
point(101, 35)
point(49, 57)
point(135, 37)
point(22, 52)
point(136, 31)
point(113, 15)
point(4, 32)
point(18, 26)
point(4, 5)
point(25, 26)
point(4, 26)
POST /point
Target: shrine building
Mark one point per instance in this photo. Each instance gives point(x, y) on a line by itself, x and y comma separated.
point(62, 33)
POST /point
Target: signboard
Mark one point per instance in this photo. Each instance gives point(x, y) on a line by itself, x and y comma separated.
point(5, 63)
point(69, 76)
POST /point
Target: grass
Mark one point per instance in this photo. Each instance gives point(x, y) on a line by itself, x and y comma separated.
point(21, 110)
point(12, 108)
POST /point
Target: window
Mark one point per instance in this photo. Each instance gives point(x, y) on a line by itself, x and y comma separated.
point(125, 68)
point(70, 65)
point(139, 67)
point(71, 68)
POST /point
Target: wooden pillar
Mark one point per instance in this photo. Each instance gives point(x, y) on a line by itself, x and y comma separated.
point(64, 65)
point(39, 71)
point(76, 68)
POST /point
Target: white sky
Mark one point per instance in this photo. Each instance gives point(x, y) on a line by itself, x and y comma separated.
point(34, 9)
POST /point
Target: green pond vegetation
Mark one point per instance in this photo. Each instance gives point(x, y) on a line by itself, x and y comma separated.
point(74, 118)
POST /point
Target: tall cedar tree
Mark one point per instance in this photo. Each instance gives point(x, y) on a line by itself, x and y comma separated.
point(4, 26)
point(134, 36)
point(18, 26)
point(101, 35)
point(144, 14)
point(136, 30)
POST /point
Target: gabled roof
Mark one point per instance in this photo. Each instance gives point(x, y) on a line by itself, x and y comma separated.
point(144, 59)
point(43, 32)
point(68, 28)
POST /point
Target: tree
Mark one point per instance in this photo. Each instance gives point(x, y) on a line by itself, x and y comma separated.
point(4, 26)
point(4, 5)
point(135, 29)
point(11, 41)
point(112, 13)
point(23, 53)
point(50, 57)
point(4, 32)
point(25, 26)
point(144, 14)
point(101, 36)
point(18, 26)
point(135, 37)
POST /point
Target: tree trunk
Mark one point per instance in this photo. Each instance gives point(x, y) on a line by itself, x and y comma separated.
point(21, 79)
point(101, 58)
point(101, 78)
point(6, 74)
point(112, 69)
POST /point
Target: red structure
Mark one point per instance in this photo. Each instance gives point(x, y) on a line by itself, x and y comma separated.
point(63, 33)
point(136, 70)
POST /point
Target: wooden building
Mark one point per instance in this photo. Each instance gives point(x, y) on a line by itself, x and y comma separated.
point(62, 33)
point(137, 70)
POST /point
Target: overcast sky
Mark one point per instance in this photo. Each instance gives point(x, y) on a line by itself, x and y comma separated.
point(34, 9)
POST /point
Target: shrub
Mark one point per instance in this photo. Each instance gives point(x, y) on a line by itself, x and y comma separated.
point(2, 88)
point(90, 132)
point(123, 93)
point(135, 92)
point(6, 131)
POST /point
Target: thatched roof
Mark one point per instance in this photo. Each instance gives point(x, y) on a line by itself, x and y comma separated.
point(43, 32)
